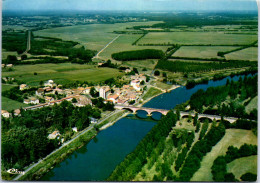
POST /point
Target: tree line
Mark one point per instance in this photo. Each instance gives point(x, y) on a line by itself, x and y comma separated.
point(186, 67)
point(138, 55)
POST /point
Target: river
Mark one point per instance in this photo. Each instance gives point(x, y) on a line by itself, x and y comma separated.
point(96, 160)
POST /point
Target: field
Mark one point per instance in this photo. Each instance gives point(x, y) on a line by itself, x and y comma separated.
point(6, 53)
point(191, 38)
point(93, 36)
point(8, 104)
point(124, 43)
point(151, 92)
point(245, 54)
point(61, 73)
point(148, 64)
point(252, 104)
point(243, 165)
point(234, 137)
point(202, 51)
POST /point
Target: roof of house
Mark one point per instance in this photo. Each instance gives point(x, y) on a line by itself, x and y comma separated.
point(40, 90)
point(114, 96)
point(55, 132)
point(4, 111)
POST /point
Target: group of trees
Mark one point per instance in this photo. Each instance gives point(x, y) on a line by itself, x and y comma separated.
point(16, 94)
point(219, 167)
point(24, 138)
point(14, 41)
point(200, 148)
point(99, 102)
point(244, 89)
point(186, 67)
point(133, 162)
point(138, 55)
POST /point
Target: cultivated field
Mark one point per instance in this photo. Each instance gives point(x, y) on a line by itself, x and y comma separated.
point(191, 38)
point(6, 53)
point(202, 51)
point(141, 64)
point(245, 54)
point(93, 36)
point(252, 104)
point(61, 73)
point(124, 43)
point(234, 137)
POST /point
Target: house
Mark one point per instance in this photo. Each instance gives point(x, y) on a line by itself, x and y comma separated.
point(86, 91)
point(17, 112)
point(132, 97)
point(23, 87)
point(68, 92)
point(26, 101)
point(93, 120)
point(100, 64)
point(135, 82)
point(40, 92)
point(50, 83)
point(127, 70)
point(9, 65)
point(5, 113)
point(34, 100)
point(54, 135)
point(48, 99)
point(75, 129)
point(58, 90)
point(113, 98)
point(3, 65)
point(121, 101)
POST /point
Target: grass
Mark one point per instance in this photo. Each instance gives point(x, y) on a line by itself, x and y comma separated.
point(202, 51)
point(253, 104)
point(234, 137)
point(9, 104)
point(151, 92)
point(141, 64)
point(189, 38)
point(93, 36)
point(112, 118)
point(243, 165)
point(124, 43)
point(245, 54)
point(61, 73)
point(163, 85)
point(6, 53)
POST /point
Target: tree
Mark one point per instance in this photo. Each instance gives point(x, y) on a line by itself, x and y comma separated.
point(135, 70)
point(164, 74)
point(24, 57)
point(74, 100)
point(93, 92)
point(142, 82)
point(248, 177)
point(156, 73)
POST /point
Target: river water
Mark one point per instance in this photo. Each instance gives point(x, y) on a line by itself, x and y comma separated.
point(96, 160)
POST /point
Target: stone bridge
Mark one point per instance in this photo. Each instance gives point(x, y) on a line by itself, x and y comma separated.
point(182, 114)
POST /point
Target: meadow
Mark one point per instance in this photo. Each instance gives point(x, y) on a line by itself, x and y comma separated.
point(234, 137)
point(202, 51)
point(61, 73)
point(92, 36)
point(197, 38)
point(124, 43)
point(245, 54)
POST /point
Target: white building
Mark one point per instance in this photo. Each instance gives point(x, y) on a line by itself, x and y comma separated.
point(54, 135)
point(23, 87)
point(104, 91)
point(49, 83)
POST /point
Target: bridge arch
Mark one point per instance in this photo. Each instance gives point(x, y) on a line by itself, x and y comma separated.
point(203, 119)
point(128, 109)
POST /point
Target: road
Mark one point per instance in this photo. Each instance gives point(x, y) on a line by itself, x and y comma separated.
point(97, 56)
point(68, 142)
point(28, 43)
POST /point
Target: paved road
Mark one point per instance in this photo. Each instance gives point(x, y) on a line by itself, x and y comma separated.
point(68, 142)
point(28, 43)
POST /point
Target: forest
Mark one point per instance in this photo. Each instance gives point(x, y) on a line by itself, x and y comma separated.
point(245, 88)
point(24, 138)
point(186, 67)
point(138, 55)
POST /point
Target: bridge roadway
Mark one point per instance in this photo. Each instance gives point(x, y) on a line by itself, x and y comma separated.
point(182, 114)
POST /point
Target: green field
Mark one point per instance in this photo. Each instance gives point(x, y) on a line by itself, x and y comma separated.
point(245, 54)
point(8, 104)
point(234, 137)
point(202, 51)
point(148, 64)
point(253, 104)
point(61, 73)
point(93, 36)
point(124, 43)
point(6, 53)
point(243, 165)
point(191, 38)
point(151, 92)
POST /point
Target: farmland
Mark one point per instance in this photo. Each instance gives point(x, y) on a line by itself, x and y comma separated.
point(94, 36)
point(202, 51)
point(197, 38)
point(61, 73)
point(245, 54)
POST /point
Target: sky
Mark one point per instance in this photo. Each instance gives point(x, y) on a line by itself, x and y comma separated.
point(138, 5)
